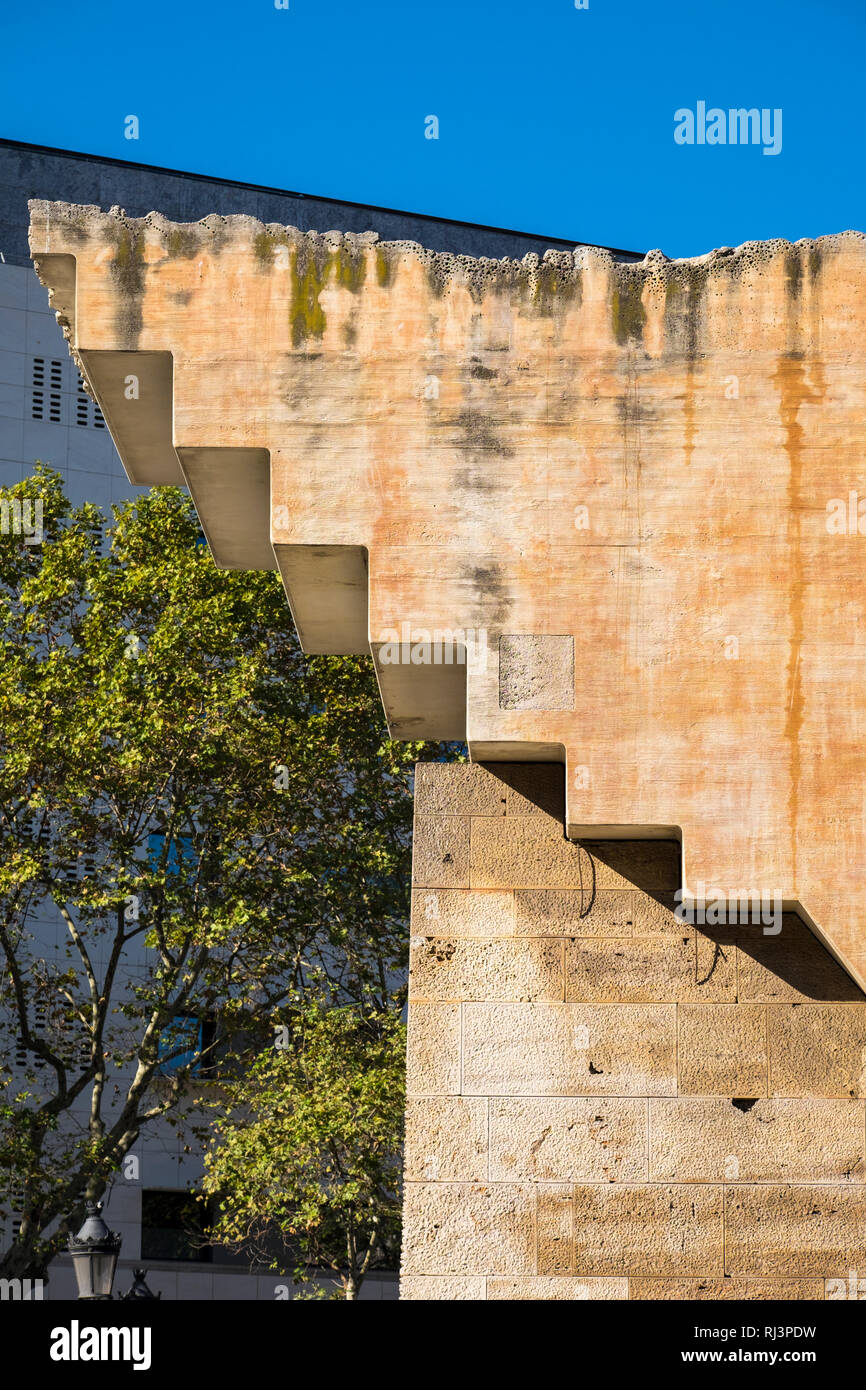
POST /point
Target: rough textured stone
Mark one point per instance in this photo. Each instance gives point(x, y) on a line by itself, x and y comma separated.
point(445, 1288)
point(714, 1140)
point(569, 912)
point(575, 1140)
point(536, 672)
point(553, 1290)
point(525, 852)
point(654, 915)
point(465, 1228)
point(621, 1229)
point(467, 789)
point(647, 970)
point(776, 972)
point(631, 1122)
point(458, 912)
point(554, 1229)
point(651, 865)
point(714, 1290)
point(569, 1049)
point(433, 1054)
point(722, 1049)
point(451, 968)
point(446, 1139)
point(534, 789)
point(814, 1229)
point(441, 857)
point(817, 1049)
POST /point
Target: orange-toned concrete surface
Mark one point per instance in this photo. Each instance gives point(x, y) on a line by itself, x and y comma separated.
point(632, 490)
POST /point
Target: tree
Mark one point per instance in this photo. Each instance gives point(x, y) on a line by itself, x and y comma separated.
point(304, 1169)
point(219, 824)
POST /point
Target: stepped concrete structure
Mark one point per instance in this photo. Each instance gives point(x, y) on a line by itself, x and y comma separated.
point(602, 520)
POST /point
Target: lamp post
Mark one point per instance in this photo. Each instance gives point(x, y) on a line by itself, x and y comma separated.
point(94, 1254)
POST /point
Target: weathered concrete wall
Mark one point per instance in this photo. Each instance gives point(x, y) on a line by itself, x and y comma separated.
point(622, 479)
point(619, 474)
point(605, 1102)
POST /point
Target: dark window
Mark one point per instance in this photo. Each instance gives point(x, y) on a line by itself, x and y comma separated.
point(172, 1227)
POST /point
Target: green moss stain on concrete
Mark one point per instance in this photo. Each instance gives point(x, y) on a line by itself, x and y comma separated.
point(263, 250)
point(556, 289)
point(307, 272)
point(182, 243)
point(128, 270)
point(627, 311)
point(436, 273)
point(128, 264)
point(794, 272)
point(684, 296)
point(349, 267)
point(385, 268)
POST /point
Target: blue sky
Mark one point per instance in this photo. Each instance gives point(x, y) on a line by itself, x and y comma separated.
point(551, 119)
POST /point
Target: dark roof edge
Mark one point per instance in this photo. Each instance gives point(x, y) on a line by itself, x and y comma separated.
point(313, 197)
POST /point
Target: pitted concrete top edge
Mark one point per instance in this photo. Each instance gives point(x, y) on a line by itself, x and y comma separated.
point(83, 219)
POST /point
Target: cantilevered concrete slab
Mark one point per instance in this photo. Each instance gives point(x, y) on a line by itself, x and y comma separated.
point(630, 492)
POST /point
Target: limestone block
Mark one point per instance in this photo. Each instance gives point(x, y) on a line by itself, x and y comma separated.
point(654, 915)
point(717, 1140)
point(570, 912)
point(777, 972)
point(442, 1288)
point(440, 857)
point(817, 1049)
point(553, 1290)
point(462, 912)
point(451, 968)
point(809, 1229)
point(534, 789)
point(624, 1229)
point(713, 1290)
point(468, 1228)
point(525, 852)
point(574, 1140)
point(536, 672)
point(433, 1051)
point(554, 1226)
point(458, 789)
point(723, 1049)
point(648, 970)
point(569, 1049)
point(652, 865)
point(446, 1139)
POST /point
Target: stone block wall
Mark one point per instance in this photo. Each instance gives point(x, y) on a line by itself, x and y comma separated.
point(605, 1102)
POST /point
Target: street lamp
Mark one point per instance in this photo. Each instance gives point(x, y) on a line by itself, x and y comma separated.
point(94, 1254)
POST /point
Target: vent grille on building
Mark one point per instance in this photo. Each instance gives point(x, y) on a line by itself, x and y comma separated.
point(47, 383)
point(87, 412)
point(40, 1019)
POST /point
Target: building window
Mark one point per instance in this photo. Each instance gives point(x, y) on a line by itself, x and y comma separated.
point(47, 384)
point(172, 1227)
